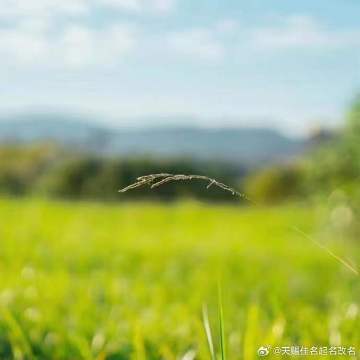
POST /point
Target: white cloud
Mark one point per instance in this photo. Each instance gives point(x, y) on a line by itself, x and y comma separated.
point(207, 43)
point(303, 32)
point(128, 5)
point(73, 47)
point(139, 6)
point(163, 6)
point(33, 32)
point(80, 46)
point(40, 8)
point(12, 9)
point(226, 26)
point(158, 6)
point(197, 43)
point(21, 47)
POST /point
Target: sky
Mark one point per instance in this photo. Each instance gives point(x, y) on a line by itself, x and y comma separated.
point(292, 65)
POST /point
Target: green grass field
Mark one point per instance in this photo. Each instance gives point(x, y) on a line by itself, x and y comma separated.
point(95, 281)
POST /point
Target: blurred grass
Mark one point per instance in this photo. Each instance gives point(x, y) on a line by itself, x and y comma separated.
point(96, 281)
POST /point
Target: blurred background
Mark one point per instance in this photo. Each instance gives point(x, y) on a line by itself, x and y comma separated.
point(263, 96)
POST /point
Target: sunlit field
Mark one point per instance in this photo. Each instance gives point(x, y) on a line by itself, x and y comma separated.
point(95, 281)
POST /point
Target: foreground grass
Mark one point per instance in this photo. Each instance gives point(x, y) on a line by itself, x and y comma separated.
point(92, 281)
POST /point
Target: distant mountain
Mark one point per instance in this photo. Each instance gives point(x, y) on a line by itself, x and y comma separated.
point(73, 129)
point(247, 146)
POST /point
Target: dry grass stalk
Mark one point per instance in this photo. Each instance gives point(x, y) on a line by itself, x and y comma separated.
point(323, 247)
point(155, 180)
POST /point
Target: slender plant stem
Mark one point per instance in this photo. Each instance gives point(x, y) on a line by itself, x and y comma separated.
point(221, 323)
point(208, 332)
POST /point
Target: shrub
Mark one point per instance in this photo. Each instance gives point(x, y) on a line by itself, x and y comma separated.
point(275, 184)
point(21, 166)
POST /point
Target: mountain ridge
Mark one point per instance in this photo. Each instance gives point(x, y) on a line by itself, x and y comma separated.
point(245, 145)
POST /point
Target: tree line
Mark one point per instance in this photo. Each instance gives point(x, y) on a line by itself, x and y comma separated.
point(47, 170)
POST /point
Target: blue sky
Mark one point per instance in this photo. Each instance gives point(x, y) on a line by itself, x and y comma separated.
point(293, 65)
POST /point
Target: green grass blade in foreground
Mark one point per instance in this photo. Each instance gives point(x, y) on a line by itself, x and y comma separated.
point(16, 333)
point(208, 332)
point(221, 323)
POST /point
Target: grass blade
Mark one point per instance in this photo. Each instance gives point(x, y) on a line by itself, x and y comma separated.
point(208, 331)
point(17, 333)
point(221, 323)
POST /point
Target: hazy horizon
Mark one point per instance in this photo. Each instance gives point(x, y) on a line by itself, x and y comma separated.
point(159, 121)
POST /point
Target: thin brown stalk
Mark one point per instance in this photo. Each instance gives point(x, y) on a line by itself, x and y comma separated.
point(323, 247)
point(156, 180)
